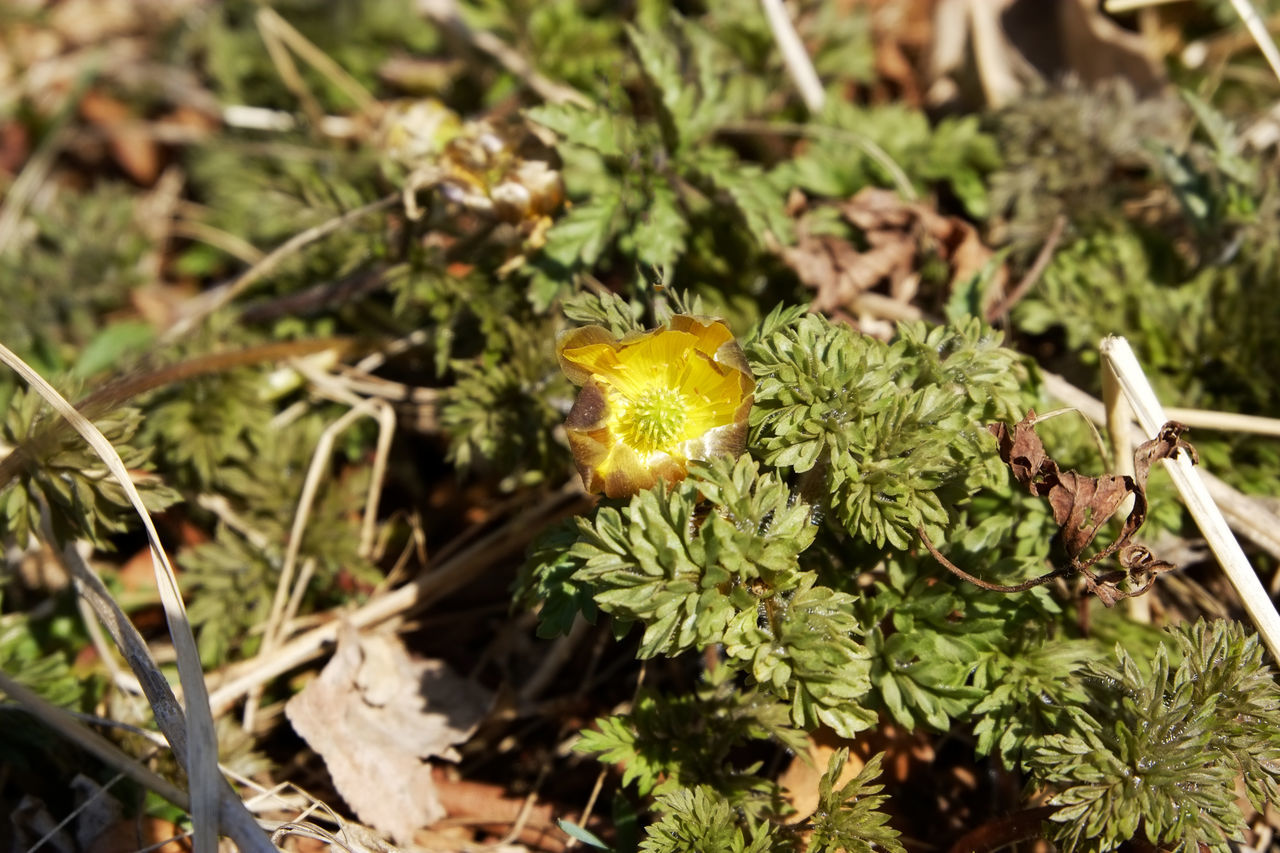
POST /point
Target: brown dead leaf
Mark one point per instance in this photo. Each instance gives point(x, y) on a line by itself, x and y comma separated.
point(15, 146)
point(1082, 505)
point(1022, 450)
point(488, 808)
point(375, 715)
point(898, 236)
point(131, 146)
point(150, 833)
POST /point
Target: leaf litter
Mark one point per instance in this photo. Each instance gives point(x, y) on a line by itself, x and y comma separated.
point(898, 236)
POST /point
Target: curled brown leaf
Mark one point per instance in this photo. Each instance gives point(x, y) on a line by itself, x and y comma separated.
point(1081, 505)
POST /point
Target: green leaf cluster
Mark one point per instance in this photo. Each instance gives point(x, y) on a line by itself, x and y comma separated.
point(1160, 750)
point(1030, 692)
point(547, 584)
point(501, 411)
point(266, 194)
point(887, 434)
point(228, 568)
point(578, 43)
point(920, 669)
point(700, 819)
point(848, 818)
point(426, 295)
point(653, 174)
point(29, 661)
point(243, 559)
point(57, 470)
point(206, 424)
point(609, 310)
point(357, 34)
point(681, 741)
point(928, 636)
point(79, 259)
point(894, 146)
point(728, 574)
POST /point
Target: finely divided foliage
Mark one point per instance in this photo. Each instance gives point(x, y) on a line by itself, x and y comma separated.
point(860, 442)
point(889, 432)
point(1160, 750)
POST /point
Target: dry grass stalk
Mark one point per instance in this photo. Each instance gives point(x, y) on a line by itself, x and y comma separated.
point(1117, 353)
point(195, 743)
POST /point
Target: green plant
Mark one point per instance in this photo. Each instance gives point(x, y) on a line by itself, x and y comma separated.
point(1160, 749)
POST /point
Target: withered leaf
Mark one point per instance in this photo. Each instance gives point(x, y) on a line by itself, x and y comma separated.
point(1081, 505)
point(1022, 450)
point(896, 235)
point(375, 715)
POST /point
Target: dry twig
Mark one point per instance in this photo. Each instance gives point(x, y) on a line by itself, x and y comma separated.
point(1118, 354)
point(796, 58)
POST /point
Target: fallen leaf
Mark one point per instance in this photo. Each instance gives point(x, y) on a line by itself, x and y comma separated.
point(375, 715)
point(15, 147)
point(803, 775)
point(898, 236)
point(131, 146)
point(488, 808)
point(1081, 505)
point(150, 833)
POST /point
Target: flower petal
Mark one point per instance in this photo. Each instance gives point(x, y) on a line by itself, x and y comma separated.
point(584, 351)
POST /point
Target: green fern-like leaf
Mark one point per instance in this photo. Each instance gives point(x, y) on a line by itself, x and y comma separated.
point(604, 309)
point(1225, 667)
point(201, 425)
point(684, 581)
point(501, 413)
point(667, 741)
point(700, 819)
point(1030, 693)
point(58, 470)
point(888, 429)
point(848, 818)
point(47, 673)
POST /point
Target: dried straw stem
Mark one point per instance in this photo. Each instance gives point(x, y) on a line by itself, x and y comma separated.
point(1117, 353)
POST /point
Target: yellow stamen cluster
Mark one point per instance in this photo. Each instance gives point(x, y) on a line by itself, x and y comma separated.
point(654, 420)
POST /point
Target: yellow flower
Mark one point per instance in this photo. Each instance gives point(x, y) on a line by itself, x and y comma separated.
point(653, 401)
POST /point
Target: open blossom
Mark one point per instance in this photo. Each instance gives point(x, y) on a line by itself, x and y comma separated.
point(654, 400)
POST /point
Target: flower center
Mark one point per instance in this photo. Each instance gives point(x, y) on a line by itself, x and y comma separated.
point(653, 420)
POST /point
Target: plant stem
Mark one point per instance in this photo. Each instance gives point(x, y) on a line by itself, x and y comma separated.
point(796, 58)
